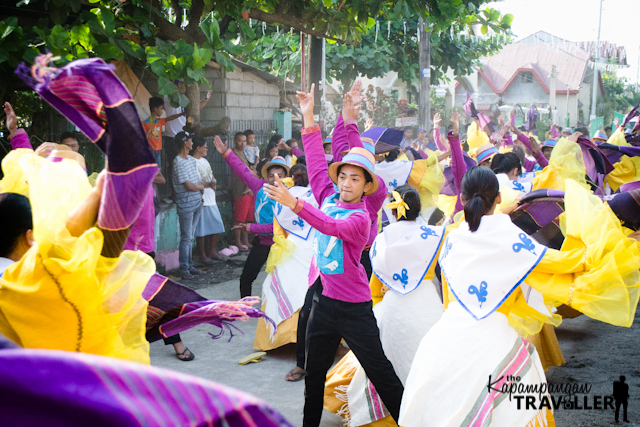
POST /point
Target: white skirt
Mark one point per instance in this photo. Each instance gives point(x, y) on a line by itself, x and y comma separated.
point(447, 384)
point(403, 321)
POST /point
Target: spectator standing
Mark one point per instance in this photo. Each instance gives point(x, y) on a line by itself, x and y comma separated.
point(210, 224)
point(153, 126)
point(621, 396)
point(188, 197)
point(242, 197)
point(251, 151)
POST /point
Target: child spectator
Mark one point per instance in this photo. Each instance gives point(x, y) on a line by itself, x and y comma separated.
point(153, 125)
point(251, 151)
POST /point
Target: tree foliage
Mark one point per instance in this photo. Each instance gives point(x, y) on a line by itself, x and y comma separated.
point(620, 96)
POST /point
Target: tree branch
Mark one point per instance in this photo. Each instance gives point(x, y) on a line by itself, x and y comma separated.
point(195, 13)
point(224, 24)
point(177, 9)
point(292, 21)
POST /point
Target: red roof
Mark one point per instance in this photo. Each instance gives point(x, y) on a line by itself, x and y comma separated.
point(502, 69)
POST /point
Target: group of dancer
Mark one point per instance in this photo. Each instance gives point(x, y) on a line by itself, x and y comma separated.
point(442, 269)
point(439, 270)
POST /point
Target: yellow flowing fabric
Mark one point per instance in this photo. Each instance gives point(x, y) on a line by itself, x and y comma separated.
point(63, 294)
point(428, 178)
point(282, 249)
point(566, 162)
point(476, 138)
point(624, 171)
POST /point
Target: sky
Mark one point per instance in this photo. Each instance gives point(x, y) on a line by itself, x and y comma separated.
point(577, 20)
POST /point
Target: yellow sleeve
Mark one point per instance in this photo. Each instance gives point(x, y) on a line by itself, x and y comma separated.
point(566, 162)
point(282, 248)
point(625, 171)
point(428, 178)
point(376, 289)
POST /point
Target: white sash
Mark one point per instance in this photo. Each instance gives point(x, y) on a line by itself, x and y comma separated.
point(403, 253)
point(483, 268)
point(394, 173)
point(523, 187)
point(291, 222)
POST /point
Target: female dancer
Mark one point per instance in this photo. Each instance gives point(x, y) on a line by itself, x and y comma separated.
point(494, 279)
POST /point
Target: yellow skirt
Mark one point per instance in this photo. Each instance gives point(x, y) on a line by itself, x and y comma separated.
point(546, 343)
point(285, 334)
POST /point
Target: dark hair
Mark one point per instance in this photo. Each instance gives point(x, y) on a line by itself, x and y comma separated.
point(270, 146)
point(412, 198)
point(302, 160)
point(15, 220)
point(66, 135)
point(198, 142)
point(180, 138)
point(392, 155)
point(479, 190)
point(290, 141)
point(276, 138)
point(299, 174)
point(237, 135)
point(248, 132)
point(607, 128)
point(155, 102)
point(505, 163)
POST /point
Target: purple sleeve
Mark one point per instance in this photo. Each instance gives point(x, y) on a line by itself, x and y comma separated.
point(317, 169)
point(242, 171)
point(425, 155)
point(525, 141)
point(20, 139)
point(339, 140)
point(353, 136)
point(508, 139)
point(529, 165)
point(354, 228)
point(436, 136)
point(541, 159)
point(554, 131)
point(261, 228)
point(297, 152)
point(458, 166)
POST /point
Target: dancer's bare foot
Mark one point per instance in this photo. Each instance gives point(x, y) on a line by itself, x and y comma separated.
point(296, 374)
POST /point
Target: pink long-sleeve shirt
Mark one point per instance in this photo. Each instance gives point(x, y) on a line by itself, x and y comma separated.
point(264, 231)
point(20, 139)
point(352, 285)
point(345, 137)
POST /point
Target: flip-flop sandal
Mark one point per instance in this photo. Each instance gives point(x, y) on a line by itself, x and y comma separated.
point(253, 357)
point(188, 358)
point(244, 248)
point(291, 373)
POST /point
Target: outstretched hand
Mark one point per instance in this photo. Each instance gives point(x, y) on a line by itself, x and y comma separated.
point(356, 92)
point(280, 194)
point(368, 124)
point(306, 101)
point(574, 136)
point(349, 110)
point(455, 121)
point(436, 120)
point(12, 121)
point(220, 146)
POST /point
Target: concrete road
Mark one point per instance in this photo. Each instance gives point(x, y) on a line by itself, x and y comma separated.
point(217, 360)
point(596, 354)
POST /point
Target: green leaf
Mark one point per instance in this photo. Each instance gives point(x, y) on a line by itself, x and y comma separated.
point(131, 48)
point(507, 20)
point(197, 75)
point(7, 26)
point(484, 29)
point(76, 5)
point(59, 38)
point(107, 51)
point(224, 60)
point(166, 87)
point(247, 30)
point(108, 19)
point(211, 31)
point(59, 14)
point(4, 55)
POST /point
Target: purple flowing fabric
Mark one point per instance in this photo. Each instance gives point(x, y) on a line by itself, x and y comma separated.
point(90, 95)
point(58, 388)
point(174, 308)
point(615, 152)
point(626, 205)
point(537, 215)
point(470, 109)
point(384, 139)
point(533, 117)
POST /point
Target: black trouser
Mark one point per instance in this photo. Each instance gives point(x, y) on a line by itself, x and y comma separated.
point(173, 339)
point(366, 261)
point(303, 318)
point(256, 259)
point(624, 409)
point(329, 321)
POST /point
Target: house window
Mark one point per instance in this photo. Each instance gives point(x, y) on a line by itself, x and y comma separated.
point(479, 80)
point(527, 77)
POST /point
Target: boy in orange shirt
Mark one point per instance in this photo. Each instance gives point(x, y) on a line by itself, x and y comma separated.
point(153, 125)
